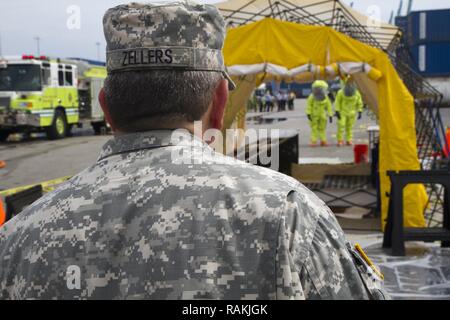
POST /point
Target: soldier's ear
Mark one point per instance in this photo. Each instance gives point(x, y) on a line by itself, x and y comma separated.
point(218, 104)
point(103, 104)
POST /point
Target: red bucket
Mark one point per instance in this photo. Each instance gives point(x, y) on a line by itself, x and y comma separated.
point(361, 152)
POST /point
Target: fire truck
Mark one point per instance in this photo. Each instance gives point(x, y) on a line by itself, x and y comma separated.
point(39, 94)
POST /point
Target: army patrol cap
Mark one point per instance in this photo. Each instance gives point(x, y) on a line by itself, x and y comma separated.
point(176, 35)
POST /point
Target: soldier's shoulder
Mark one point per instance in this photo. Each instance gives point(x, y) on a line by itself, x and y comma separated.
point(264, 177)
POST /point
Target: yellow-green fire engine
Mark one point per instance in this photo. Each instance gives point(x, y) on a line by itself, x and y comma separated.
point(50, 95)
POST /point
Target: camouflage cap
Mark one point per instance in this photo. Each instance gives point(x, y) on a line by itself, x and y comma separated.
point(182, 35)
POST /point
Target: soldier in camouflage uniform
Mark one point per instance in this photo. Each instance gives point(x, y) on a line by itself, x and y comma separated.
point(139, 224)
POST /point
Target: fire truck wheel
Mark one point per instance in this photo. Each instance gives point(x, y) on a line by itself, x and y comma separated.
point(58, 129)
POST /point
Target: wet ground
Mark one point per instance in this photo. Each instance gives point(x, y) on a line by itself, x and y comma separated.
point(423, 273)
point(297, 120)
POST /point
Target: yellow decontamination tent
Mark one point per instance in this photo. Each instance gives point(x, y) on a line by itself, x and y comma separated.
point(273, 49)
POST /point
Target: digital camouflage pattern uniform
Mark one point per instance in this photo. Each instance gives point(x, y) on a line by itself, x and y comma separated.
point(160, 215)
point(140, 224)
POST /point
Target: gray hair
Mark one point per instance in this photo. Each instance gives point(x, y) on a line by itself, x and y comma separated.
point(139, 100)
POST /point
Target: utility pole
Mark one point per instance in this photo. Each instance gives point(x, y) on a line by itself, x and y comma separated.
point(37, 44)
point(399, 11)
point(410, 3)
point(98, 50)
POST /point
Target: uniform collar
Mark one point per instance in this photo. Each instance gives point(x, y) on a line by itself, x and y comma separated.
point(131, 142)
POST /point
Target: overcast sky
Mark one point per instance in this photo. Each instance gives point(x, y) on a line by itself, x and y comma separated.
point(63, 35)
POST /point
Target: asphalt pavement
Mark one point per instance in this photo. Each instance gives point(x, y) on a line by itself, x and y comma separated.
point(37, 159)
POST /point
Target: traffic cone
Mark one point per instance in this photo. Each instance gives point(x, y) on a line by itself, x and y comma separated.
point(2, 164)
point(2, 213)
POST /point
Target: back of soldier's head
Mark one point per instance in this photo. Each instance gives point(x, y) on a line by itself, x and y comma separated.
point(164, 62)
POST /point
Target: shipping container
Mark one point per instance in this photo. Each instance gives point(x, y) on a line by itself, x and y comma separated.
point(432, 59)
point(428, 26)
point(402, 23)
